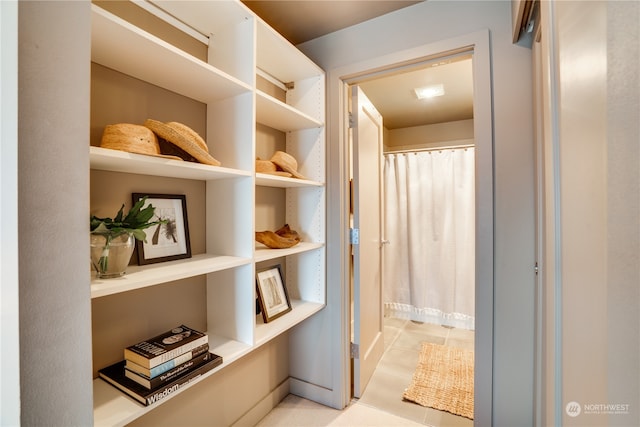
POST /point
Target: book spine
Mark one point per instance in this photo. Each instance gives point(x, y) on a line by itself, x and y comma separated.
point(169, 376)
point(178, 351)
point(123, 388)
point(182, 381)
point(165, 357)
point(167, 366)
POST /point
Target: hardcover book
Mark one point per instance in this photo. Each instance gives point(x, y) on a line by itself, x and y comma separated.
point(167, 366)
point(162, 348)
point(169, 375)
point(115, 376)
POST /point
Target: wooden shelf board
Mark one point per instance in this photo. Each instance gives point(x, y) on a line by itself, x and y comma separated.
point(122, 161)
point(155, 274)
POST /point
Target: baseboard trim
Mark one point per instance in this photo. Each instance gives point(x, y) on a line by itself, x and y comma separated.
point(264, 406)
point(321, 395)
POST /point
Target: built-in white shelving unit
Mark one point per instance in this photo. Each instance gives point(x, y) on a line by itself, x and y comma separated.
point(239, 45)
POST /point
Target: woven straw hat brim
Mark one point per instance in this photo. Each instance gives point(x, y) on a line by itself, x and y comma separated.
point(265, 166)
point(178, 136)
point(279, 173)
point(132, 138)
point(287, 163)
point(191, 133)
point(268, 167)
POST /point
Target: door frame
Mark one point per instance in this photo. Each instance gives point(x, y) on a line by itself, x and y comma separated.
point(338, 291)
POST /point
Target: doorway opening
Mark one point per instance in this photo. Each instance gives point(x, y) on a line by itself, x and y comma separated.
point(341, 79)
point(420, 181)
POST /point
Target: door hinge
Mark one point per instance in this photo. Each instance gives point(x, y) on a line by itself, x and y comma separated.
point(351, 121)
point(355, 351)
point(354, 236)
point(536, 269)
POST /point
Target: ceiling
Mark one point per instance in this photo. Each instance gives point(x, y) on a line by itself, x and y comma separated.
point(303, 20)
point(396, 100)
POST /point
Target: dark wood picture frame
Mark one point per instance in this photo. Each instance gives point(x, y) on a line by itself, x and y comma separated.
point(165, 242)
point(272, 293)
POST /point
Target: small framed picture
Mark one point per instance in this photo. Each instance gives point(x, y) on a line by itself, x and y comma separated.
point(168, 241)
point(272, 293)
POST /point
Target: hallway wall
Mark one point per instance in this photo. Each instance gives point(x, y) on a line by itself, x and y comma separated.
point(429, 22)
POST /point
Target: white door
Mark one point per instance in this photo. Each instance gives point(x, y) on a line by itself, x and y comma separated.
point(368, 341)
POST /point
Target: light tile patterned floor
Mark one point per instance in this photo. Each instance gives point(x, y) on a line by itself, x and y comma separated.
point(295, 411)
point(403, 340)
point(382, 404)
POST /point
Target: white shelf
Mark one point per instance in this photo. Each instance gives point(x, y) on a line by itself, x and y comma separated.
point(239, 44)
point(275, 55)
point(112, 407)
point(138, 277)
point(301, 310)
point(121, 46)
point(278, 115)
point(264, 253)
point(267, 180)
point(210, 17)
point(122, 161)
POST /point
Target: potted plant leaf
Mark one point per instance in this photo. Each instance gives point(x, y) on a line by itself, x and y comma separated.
point(113, 239)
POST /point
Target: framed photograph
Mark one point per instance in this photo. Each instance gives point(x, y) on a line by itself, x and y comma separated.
point(168, 241)
point(272, 293)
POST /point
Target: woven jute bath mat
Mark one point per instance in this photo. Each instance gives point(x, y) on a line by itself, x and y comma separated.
point(443, 380)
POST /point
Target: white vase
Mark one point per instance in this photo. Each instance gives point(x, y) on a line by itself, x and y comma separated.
point(110, 255)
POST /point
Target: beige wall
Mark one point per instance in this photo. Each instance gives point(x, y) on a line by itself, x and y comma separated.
point(441, 134)
point(623, 209)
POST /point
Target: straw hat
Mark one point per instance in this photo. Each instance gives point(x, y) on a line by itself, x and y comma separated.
point(185, 139)
point(287, 163)
point(132, 138)
point(267, 166)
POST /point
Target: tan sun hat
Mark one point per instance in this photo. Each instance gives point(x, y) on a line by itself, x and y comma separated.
point(132, 138)
point(184, 138)
point(267, 166)
point(287, 163)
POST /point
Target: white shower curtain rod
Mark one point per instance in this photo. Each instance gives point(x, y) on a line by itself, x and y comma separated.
point(416, 150)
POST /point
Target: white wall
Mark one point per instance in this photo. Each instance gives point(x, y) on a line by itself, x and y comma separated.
point(9, 330)
point(597, 190)
point(433, 21)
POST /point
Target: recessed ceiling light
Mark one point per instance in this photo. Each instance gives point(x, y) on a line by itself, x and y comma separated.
point(429, 91)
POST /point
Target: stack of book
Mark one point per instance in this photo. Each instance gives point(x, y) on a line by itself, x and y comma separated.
point(157, 367)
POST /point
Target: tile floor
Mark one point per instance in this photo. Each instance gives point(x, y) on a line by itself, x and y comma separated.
point(382, 404)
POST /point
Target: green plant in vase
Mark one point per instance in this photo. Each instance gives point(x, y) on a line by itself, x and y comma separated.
point(112, 239)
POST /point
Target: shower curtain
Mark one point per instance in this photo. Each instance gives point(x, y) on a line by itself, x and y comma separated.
point(429, 267)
